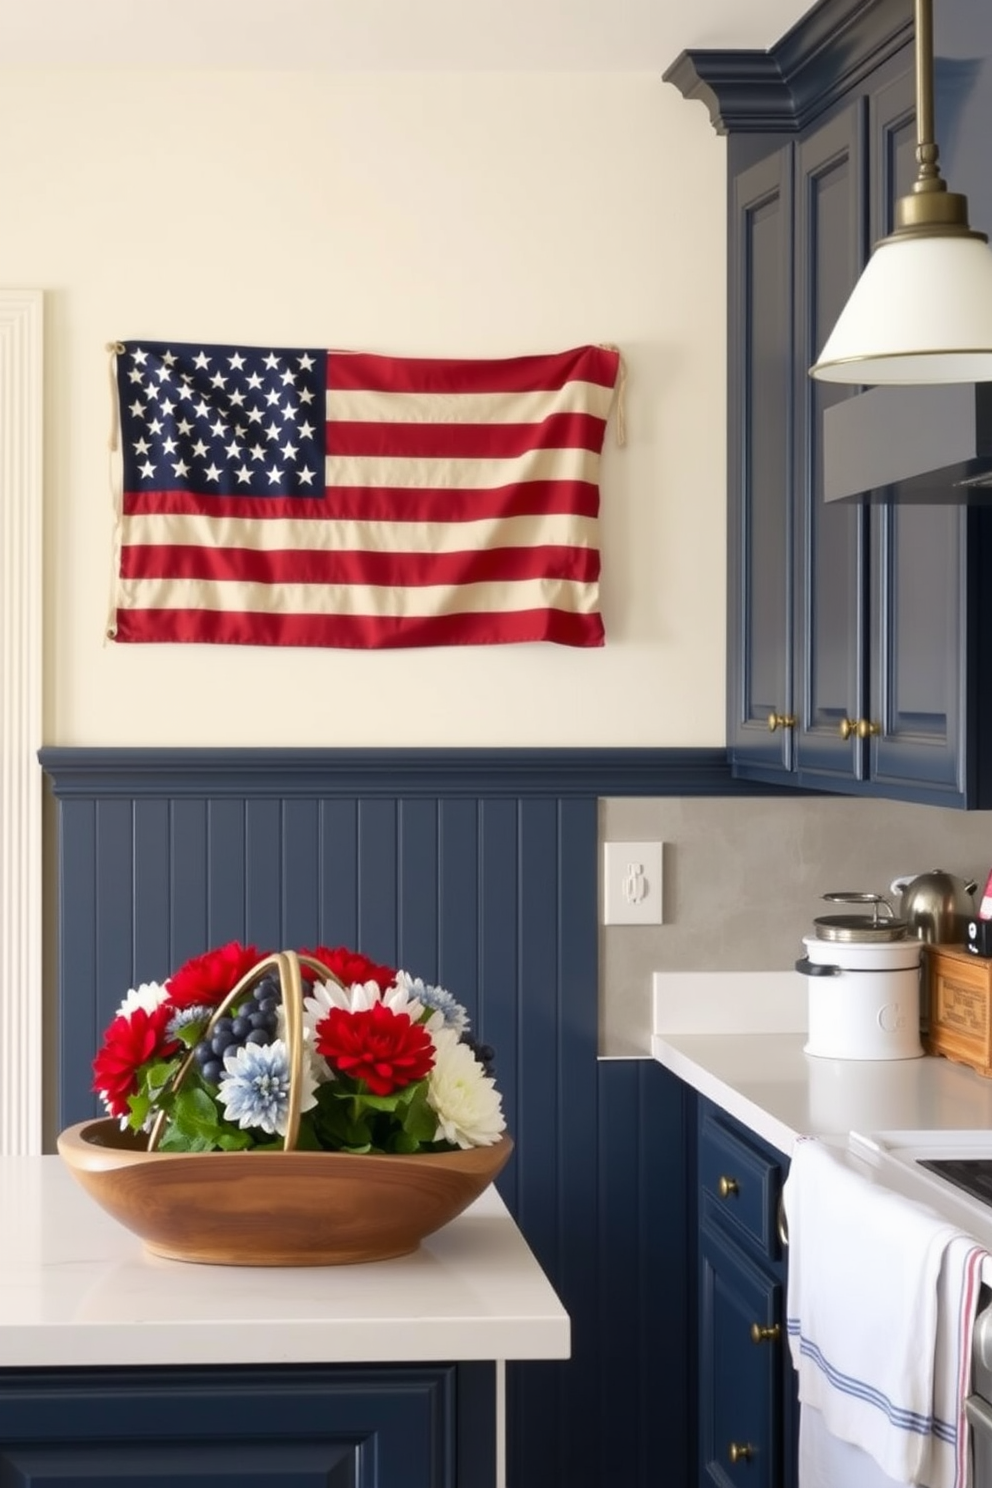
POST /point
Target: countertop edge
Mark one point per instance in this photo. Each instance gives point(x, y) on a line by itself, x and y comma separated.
point(730, 1099)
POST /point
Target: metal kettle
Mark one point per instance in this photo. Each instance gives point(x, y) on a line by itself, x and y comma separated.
point(936, 906)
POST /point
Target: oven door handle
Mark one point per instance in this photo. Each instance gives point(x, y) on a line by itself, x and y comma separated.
point(979, 1413)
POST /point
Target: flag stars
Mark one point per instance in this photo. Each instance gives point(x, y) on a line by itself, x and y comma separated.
point(155, 426)
point(168, 445)
point(305, 361)
point(163, 373)
point(147, 470)
point(272, 432)
point(275, 476)
point(244, 474)
point(272, 361)
point(212, 473)
point(254, 381)
point(287, 378)
point(137, 410)
point(219, 380)
point(140, 356)
point(218, 428)
point(236, 362)
point(180, 468)
point(271, 397)
point(141, 446)
point(202, 361)
point(289, 412)
point(306, 395)
point(306, 476)
point(135, 375)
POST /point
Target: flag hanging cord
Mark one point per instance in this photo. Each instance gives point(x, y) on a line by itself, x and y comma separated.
point(621, 424)
point(114, 348)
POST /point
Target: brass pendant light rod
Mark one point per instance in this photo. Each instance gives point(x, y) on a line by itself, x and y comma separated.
point(931, 208)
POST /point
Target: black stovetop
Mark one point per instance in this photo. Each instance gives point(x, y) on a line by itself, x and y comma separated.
point(973, 1174)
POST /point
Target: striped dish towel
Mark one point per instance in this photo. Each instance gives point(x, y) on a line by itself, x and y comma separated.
point(881, 1305)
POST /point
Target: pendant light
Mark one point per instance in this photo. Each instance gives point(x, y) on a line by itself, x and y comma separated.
point(922, 309)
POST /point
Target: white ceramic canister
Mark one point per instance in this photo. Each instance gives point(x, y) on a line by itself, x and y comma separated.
point(865, 1004)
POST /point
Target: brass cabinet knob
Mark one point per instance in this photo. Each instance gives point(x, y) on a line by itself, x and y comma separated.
point(740, 1452)
point(727, 1187)
point(780, 720)
point(762, 1334)
point(863, 727)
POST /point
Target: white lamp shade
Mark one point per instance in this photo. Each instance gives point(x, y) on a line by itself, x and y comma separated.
point(921, 312)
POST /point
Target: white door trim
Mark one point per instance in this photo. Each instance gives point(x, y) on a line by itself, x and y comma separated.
point(21, 391)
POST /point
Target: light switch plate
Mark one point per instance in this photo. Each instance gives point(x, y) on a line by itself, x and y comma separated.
point(632, 883)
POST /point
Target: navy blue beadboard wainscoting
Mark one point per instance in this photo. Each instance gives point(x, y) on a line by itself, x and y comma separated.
point(478, 870)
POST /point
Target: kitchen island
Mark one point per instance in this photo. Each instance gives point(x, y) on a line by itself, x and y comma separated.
point(122, 1364)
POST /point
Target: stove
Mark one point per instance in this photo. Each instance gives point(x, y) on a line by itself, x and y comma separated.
point(950, 1170)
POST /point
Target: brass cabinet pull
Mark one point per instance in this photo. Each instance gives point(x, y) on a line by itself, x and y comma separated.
point(780, 720)
point(740, 1452)
point(727, 1187)
point(863, 727)
point(762, 1334)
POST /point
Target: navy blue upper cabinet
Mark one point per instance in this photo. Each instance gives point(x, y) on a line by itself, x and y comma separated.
point(855, 631)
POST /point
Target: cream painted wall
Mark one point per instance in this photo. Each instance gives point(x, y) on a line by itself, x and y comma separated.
point(449, 214)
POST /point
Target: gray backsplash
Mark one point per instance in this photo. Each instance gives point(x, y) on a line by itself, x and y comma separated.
point(743, 880)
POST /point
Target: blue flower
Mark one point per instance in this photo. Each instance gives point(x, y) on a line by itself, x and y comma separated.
point(436, 999)
point(183, 1017)
point(255, 1090)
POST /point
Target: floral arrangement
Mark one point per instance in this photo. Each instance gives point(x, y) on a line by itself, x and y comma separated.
point(388, 1061)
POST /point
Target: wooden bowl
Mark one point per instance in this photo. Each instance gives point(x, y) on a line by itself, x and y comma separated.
point(275, 1208)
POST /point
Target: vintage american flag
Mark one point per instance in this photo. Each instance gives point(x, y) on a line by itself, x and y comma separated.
point(325, 498)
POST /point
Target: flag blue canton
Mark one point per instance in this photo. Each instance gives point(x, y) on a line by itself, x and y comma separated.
point(222, 420)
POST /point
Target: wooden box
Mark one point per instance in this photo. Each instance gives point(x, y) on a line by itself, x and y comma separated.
point(958, 989)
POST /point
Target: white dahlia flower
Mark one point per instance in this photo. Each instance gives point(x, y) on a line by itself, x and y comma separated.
point(149, 996)
point(464, 1098)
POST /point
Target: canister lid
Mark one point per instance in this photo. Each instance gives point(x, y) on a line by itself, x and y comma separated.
point(879, 926)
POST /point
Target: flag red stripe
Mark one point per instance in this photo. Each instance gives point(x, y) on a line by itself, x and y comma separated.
point(246, 565)
point(465, 441)
point(215, 627)
point(380, 504)
point(353, 371)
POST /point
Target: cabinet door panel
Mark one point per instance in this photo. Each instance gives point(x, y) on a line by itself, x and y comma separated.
point(760, 527)
point(919, 561)
point(832, 584)
point(740, 1381)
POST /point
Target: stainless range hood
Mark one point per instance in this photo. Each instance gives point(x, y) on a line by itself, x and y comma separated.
point(921, 444)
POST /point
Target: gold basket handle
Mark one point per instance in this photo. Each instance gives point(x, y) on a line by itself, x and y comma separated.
point(287, 964)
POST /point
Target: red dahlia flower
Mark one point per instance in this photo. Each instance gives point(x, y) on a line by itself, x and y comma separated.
point(381, 1047)
point(128, 1043)
point(349, 967)
point(207, 979)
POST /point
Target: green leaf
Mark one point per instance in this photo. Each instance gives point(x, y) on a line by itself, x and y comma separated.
point(420, 1121)
point(233, 1141)
point(176, 1140)
point(191, 1033)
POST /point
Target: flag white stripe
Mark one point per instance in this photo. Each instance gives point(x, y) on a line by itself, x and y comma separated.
point(368, 406)
point(451, 473)
point(337, 535)
point(361, 599)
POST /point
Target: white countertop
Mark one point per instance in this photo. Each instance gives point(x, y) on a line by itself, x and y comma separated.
point(739, 1041)
point(78, 1289)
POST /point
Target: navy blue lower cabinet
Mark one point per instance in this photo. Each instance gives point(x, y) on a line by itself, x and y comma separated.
point(416, 1426)
point(747, 1387)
